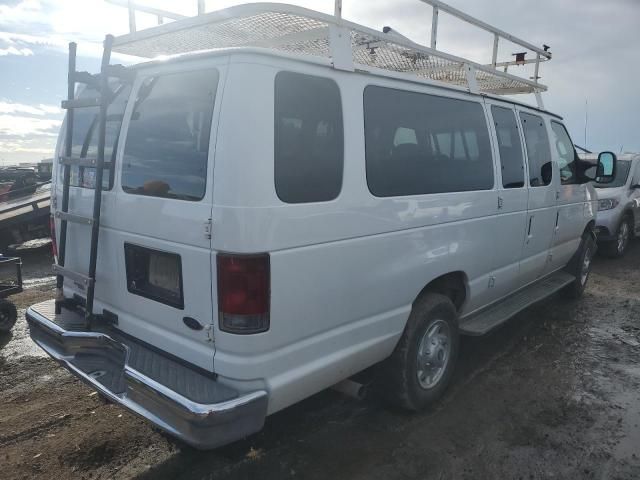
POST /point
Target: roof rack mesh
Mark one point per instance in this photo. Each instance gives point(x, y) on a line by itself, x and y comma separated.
point(309, 34)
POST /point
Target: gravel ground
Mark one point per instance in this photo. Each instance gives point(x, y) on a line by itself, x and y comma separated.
point(555, 393)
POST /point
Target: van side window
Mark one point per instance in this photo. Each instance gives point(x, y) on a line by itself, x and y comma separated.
point(309, 138)
point(167, 145)
point(567, 156)
point(510, 146)
point(538, 150)
point(448, 151)
point(85, 136)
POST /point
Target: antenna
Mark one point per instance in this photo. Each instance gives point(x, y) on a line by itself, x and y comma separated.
point(586, 119)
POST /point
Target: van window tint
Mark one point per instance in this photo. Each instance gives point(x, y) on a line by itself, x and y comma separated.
point(167, 145)
point(309, 138)
point(449, 150)
point(510, 146)
point(85, 136)
point(538, 150)
point(567, 156)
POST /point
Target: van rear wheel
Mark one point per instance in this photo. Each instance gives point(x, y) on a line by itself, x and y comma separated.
point(422, 364)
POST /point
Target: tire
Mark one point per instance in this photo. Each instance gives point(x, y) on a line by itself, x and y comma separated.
point(408, 379)
point(8, 316)
point(618, 247)
point(580, 267)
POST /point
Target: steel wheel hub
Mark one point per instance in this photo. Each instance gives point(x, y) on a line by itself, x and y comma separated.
point(434, 351)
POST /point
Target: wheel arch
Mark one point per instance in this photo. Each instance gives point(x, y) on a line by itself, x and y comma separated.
point(454, 285)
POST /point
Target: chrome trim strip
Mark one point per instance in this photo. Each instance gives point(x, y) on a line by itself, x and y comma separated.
point(203, 426)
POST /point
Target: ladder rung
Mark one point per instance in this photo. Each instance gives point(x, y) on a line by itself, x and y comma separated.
point(82, 162)
point(70, 274)
point(86, 78)
point(81, 103)
point(71, 217)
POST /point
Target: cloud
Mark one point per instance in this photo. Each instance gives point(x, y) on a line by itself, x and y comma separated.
point(12, 126)
point(20, 44)
point(26, 138)
point(588, 52)
point(20, 12)
point(24, 52)
point(10, 107)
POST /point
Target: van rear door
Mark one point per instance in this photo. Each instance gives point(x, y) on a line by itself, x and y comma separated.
point(154, 253)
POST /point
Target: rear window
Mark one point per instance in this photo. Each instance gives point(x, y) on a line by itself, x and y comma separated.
point(167, 146)
point(418, 144)
point(85, 136)
point(309, 138)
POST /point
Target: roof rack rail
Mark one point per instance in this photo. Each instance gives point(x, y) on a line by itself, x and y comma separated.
point(347, 45)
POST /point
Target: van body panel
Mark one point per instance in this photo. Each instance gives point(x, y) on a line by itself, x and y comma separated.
point(573, 213)
point(511, 218)
point(541, 212)
point(170, 225)
point(360, 312)
point(344, 273)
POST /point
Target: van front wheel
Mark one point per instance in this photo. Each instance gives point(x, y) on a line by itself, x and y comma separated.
point(580, 267)
point(420, 368)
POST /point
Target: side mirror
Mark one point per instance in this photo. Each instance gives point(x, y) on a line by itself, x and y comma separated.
point(605, 170)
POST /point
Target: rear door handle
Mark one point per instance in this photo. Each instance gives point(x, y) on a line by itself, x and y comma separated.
point(529, 230)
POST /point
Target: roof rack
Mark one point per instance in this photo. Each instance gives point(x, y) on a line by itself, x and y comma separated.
point(347, 45)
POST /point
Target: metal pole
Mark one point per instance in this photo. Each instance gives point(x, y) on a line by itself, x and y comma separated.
point(338, 9)
point(66, 169)
point(485, 26)
point(132, 17)
point(494, 58)
point(200, 7)
point(97, 193)
point(434, 27)
point(537, 69)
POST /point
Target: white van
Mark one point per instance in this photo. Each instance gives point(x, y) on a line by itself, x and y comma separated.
point(277, 217)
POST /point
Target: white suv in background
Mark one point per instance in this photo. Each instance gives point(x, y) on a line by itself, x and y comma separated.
point(618, 218)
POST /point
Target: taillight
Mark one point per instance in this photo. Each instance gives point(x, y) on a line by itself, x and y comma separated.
point(244, 284)
point(52, 232)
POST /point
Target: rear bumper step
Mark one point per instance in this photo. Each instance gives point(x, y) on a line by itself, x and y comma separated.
point(186, 404)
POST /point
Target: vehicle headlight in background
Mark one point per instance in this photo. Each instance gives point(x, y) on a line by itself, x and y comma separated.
point(607, 204)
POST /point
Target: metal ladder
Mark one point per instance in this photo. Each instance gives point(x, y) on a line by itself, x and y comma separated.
point(101, 83)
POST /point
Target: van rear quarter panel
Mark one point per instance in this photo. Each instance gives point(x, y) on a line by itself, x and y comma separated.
point(344, 273)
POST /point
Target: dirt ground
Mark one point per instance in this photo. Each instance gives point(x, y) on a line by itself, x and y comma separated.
point(553, 394)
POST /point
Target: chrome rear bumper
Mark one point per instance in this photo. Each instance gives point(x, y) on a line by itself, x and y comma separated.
point(108, 366)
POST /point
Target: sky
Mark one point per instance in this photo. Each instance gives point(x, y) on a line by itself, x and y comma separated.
point(592, 79)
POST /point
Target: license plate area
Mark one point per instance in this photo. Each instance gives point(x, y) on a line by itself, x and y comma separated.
point(154, 274)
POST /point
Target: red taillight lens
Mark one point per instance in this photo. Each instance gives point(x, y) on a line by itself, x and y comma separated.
point(52, 232)
point(244, 284)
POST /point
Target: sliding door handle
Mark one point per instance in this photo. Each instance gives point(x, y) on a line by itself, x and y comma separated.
point(529, 229)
